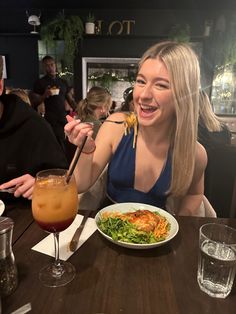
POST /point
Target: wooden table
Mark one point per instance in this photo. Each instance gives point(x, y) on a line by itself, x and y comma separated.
point(20, 213)
point(115, 280)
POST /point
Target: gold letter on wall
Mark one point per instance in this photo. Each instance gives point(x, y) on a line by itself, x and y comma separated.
point(119, 31)
point(128, 22)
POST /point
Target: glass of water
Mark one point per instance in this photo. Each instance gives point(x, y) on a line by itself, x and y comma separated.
point(217, 259)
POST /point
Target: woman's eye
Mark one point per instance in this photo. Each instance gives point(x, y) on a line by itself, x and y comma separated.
point(140, 81)
point(162, 86)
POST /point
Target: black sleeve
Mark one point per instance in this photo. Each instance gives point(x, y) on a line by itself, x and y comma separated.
point(39, 87)
point(226, 134)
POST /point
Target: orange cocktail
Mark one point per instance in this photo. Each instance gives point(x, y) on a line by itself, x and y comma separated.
point(54, 203)
point(54, 207)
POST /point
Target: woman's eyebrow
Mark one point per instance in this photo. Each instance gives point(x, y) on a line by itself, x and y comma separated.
point(163, 79)
point(159, 78)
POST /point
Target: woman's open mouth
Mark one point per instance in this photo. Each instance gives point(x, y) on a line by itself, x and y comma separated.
point(147, 111)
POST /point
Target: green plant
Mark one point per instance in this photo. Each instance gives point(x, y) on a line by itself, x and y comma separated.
point(180, 33)
point(70, 29)
point(105, 79)
point(90, 18)
point(225, 41)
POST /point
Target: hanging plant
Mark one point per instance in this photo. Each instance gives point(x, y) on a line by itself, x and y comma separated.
point(69, 29)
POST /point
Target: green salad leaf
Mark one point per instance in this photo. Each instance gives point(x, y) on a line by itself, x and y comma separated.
point(122, 230)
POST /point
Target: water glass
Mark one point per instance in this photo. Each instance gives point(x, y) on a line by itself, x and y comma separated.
point(217, 259)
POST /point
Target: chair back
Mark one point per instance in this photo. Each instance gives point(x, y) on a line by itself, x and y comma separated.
point(220, 180)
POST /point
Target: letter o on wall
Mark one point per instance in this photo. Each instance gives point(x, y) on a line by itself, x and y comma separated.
point(117, 25)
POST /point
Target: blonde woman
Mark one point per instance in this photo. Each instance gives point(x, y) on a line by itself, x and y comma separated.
point(167, 160)
point(95, 106)
point(212, 133)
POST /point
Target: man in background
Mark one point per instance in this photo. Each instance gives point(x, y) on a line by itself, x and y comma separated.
point(55, 93)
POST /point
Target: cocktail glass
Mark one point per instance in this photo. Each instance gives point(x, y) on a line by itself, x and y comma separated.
point(54, 207)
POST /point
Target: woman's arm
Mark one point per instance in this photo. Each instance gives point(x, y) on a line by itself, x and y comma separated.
point(95, 154)
point(190, 203)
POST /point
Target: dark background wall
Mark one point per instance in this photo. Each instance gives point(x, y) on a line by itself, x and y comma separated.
point(153, 21)
point(21, 54)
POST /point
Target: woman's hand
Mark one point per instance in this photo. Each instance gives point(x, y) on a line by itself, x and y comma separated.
point(77, 131)
point(23, 186)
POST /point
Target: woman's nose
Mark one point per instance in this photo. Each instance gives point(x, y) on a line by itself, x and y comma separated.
point(146, 92)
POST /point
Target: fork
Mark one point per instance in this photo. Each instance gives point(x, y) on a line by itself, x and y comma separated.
point(10, 190)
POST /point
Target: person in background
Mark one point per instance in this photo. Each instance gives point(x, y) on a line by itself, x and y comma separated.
point(95, 106)
point(69, 110)
point(113, 107)
point(27, 145)
point(212, 132)
point(37, 103)
point(220, 172)
point(20, 93)
point(128, 104)
point(54, 92)
point(164, 158)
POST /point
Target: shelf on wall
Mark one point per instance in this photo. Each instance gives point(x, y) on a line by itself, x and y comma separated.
point(161, 37)
point(19, 35)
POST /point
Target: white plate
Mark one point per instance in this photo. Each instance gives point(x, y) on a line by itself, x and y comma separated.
point(130, 207)
point(2, 207)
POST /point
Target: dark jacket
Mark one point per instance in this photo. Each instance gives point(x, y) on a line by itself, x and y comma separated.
point(212, 140)
point(27, 142)
point(55, 112)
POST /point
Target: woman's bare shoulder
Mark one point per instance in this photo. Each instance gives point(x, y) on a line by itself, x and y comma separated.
point(117, 116)
point(113, 130)
point(111, 133)
point(201, 156)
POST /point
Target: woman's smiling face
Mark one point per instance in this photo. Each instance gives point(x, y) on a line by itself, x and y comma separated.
point(152, 93)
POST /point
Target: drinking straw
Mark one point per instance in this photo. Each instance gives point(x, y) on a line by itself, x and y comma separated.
point(75, 160)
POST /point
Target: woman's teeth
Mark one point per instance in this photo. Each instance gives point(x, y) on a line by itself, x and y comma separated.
point(148, 108)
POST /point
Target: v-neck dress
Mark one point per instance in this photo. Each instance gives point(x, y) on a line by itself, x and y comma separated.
point(121, 175)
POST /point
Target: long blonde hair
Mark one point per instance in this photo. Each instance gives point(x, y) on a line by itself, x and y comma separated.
point(183, 68)
point(206, 115)
point(96, 97)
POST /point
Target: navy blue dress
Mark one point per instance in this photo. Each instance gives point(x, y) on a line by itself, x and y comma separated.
point(121, 175)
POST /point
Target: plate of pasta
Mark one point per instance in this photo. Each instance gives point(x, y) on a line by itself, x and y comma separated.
point(136, 225)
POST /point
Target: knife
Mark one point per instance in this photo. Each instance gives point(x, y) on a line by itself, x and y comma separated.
point(74, 241)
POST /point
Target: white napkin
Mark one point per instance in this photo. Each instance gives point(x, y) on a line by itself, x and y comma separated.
point(46, 246)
